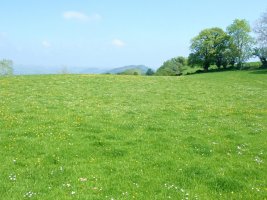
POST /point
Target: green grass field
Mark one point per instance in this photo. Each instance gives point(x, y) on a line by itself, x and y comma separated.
point(132, 137)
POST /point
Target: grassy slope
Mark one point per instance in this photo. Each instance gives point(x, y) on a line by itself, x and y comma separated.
point(196, 137)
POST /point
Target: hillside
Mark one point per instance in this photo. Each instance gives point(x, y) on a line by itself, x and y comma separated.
point(35, 69)
point(134, 137)
point(142, 68)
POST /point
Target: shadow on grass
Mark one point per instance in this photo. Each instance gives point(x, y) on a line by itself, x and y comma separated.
point(201, 71)
point(253, 70)
point(260, 71)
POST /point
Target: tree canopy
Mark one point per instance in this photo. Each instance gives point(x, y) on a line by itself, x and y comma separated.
point(150, 72)
point(239, 32)
point(209, 47)
point(214, 46)
point(172, 67)
point(261, 53)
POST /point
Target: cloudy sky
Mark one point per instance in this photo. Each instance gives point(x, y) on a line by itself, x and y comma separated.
point(111, 33)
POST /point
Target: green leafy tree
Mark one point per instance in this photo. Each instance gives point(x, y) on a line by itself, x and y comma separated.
point(150, 72)
point(208, 48)
point(6, 67)
point(261, 53)
point(223, 49)
point(229, 54)
point(172, 67)
point(239, 32)
point(194, 59)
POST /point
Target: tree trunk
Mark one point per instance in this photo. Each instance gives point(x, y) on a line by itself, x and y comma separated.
point(239, 65)
point(206, 67)
point(264, 62)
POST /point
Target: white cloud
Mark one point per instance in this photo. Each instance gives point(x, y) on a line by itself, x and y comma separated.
point(46, 44)
point(79, 16)
point(118, 43)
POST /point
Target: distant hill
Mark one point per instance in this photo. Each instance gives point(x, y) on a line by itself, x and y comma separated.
point(93, 71)
point(36, 69)
point(141, 68)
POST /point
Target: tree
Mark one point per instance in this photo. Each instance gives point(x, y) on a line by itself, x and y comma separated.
point(223, 50)
point(6, 67)
point(208, 48)
point(261, 53)
point(150, 72)
point(194, 59)
point(239, 32)
point(172, 67)
point(261, 30)
point(229, 54)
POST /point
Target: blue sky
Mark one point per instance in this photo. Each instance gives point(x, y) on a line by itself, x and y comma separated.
point(107, 34)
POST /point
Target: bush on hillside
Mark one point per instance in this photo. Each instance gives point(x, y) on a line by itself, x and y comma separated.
point(131, 72)
point(172, 67)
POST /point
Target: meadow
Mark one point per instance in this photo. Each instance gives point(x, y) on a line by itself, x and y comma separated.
point(114, 137)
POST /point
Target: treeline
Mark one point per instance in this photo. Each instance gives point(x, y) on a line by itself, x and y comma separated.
point(232, 47)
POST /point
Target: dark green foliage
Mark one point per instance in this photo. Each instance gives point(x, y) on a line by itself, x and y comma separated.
point(194, 59)
point(172, 67)
point(223, 184)
point(150, 72)
point(261, 53)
